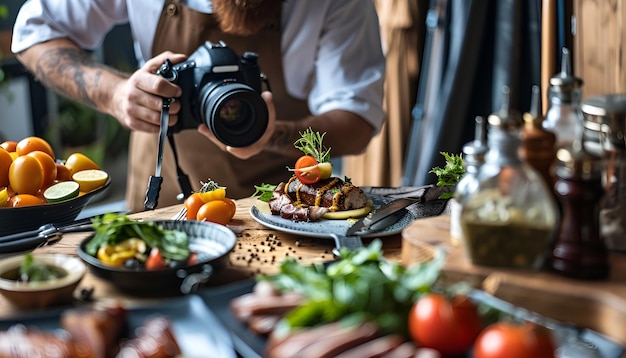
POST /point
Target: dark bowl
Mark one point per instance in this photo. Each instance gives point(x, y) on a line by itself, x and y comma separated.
point(27, 218)
point(212, 242)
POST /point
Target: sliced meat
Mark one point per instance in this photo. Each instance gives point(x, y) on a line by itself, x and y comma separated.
point(98, 330)
point(22, 342)
point(154, 339)
point(251, 304)
point(324, 341)
point(375, 348)
point(332, 193)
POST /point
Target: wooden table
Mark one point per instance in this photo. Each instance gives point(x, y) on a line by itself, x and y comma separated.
point(258, 250)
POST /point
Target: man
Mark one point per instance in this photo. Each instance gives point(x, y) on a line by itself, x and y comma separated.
point(323, 60)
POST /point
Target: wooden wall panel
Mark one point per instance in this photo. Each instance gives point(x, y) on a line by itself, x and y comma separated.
point(598, 45)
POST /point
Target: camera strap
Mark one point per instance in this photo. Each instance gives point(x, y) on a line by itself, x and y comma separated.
point(154, 183)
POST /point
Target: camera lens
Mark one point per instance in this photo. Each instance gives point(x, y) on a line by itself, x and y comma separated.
point(235, 113)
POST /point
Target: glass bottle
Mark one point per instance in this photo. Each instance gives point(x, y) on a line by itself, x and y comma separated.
point(510, 217)
point(564, 117)
point(538, 143)
point(473, 157)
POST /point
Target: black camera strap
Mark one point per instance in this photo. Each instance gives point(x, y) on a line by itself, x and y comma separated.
point(155, 181)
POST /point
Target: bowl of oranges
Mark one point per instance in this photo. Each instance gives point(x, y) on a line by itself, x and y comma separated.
point(37, 188)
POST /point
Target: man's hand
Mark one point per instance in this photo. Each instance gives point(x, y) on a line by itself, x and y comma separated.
point(137, 101)
point(256, 147)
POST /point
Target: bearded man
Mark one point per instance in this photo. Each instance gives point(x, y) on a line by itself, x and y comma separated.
point(323, 59)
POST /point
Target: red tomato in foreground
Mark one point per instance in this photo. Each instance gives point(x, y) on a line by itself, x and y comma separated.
point(449, 325)
point(307, 170)
point(511, 340)
point(155, 260)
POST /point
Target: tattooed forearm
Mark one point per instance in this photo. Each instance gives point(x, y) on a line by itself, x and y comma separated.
point(71, 72)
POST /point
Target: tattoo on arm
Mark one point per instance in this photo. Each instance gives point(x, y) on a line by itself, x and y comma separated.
point(72, 73)
point(282, 137)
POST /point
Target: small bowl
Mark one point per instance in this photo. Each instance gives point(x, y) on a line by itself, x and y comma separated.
point(39, 295)
point(212, 242)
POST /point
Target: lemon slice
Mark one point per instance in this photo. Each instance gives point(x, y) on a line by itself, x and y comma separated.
point(4, 197)
point(90, 179)
point(61, 191)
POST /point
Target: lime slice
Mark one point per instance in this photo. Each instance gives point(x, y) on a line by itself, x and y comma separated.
point(90, 179)
point(61, 191)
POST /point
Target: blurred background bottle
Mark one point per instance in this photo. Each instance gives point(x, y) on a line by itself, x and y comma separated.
point(564, 117)
point(473, 157)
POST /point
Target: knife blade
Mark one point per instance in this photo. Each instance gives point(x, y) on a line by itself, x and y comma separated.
point(379, 214)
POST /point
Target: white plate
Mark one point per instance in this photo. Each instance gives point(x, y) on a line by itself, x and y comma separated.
point(329, 228)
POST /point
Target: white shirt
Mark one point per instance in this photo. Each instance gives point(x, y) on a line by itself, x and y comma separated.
point(331, 48)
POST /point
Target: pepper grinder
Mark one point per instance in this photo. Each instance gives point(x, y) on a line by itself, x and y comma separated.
point(538, 143)
point(579, 251)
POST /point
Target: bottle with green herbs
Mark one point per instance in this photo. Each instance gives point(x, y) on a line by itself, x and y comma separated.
point(510, 216)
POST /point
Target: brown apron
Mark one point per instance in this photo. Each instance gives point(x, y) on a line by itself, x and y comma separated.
point(183, 30)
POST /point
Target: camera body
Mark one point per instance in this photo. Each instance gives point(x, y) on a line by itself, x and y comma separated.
point(221, 90)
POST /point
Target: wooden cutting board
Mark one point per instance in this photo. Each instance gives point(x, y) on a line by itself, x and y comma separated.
point(597, 305)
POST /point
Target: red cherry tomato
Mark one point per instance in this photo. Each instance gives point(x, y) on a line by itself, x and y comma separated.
point(155, 260)
point(449, 325)
point(507, 339)
point(307, 170)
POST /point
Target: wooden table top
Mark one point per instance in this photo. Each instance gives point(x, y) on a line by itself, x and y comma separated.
point(251, 255)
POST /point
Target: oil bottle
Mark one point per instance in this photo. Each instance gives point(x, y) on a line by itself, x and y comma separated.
point(510, 217)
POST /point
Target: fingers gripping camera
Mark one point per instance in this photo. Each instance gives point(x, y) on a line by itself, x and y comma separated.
point(222, 91)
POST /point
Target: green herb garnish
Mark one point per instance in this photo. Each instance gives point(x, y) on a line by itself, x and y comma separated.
point(311, 143)
point(361, 286)
point(32, 270)
point(450, 174)
point(112, 228)
point(265, 192)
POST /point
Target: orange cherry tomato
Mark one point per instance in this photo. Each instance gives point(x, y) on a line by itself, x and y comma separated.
point(26, 175)
point(307, 170)
point(48, 165)
point(63, 172)
point(20, 200)
point(155, 260)
point(78, 161)
point(9, 145)
point(217, 211)
point(193, 204)
point(31, 144)
point(232, 205)
point(5, 164)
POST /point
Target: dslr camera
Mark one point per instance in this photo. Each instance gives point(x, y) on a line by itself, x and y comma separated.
point(221, 90)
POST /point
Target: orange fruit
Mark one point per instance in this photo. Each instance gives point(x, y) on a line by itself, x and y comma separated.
point(231, 205)
point(31, 144)
point(26, 175)
point(48, 165)
point(25, 200)
point(193, 204)
point(5, 164)
point(63, 173)
point(217, 211)
point(4, 197)
point(9, 145)
point(77, 162)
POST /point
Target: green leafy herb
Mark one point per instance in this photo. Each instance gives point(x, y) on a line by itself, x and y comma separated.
point(112, 228)
point(265, 192)
point(32, 270)
point(450, 174)
point(311, 143)
point(361, 286)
